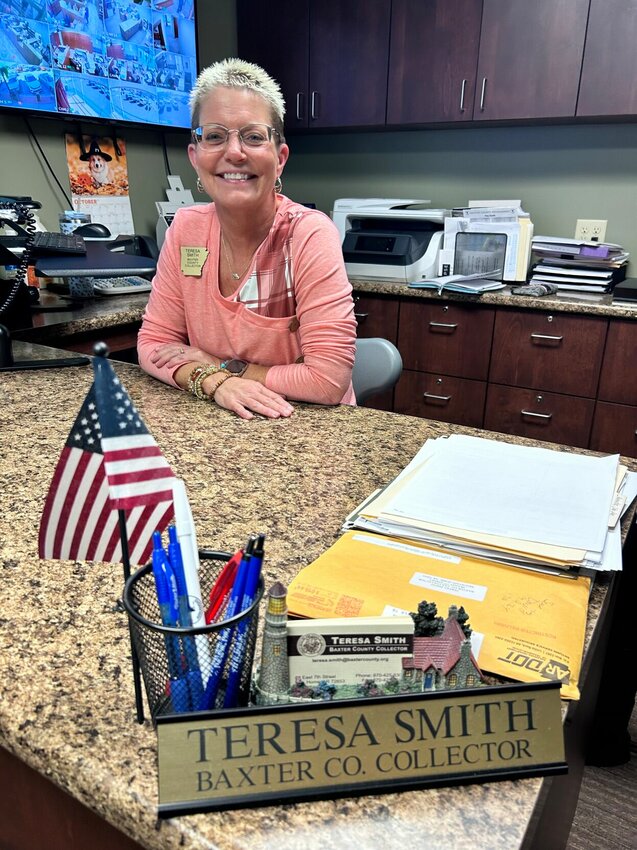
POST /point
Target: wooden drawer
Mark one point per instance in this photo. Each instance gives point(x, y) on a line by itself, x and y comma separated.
point(451, 339)
point(618, 381)
point(541, 416)
point(548, 351)
point(614, 429)
point(457, 400)
point(376, 316)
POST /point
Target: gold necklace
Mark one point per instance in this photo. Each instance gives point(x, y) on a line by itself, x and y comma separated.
point(234, 275)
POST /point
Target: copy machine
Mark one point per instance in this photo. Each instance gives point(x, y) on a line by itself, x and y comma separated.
point(389, 238)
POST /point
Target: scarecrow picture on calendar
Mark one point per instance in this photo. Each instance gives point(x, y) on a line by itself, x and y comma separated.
point(98, 174)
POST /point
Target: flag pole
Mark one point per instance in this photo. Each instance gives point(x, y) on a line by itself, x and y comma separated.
point(139, 705)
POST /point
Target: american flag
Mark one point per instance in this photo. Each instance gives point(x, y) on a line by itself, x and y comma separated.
point(110, 461)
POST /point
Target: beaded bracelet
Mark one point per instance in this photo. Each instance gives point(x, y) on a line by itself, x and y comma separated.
point(211, 396)
point(194, 375)
point(200, 378)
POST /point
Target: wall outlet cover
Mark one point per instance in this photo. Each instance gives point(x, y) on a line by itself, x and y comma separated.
point(591, 229)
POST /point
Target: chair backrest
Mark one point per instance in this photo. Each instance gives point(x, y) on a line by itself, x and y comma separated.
point(377, 367)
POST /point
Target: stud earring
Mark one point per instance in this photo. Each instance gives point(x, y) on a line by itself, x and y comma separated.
point(200, 187)
point(278, 184)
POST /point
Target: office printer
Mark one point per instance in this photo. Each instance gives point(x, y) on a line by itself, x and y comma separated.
point(389, 238)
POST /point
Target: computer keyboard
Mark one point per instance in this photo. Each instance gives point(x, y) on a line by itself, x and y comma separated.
point(58, 243)
point(121, 285)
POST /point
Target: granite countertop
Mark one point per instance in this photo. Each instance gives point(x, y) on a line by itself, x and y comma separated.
point(581, 303)
point(67, 705)
point(115, 311)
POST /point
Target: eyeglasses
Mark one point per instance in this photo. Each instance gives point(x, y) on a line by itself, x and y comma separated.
point(211, 137)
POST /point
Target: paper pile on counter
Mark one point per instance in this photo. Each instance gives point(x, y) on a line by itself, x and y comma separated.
point(574, 265)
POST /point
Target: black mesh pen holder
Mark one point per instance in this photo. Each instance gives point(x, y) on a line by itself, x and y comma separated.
point(196, 669)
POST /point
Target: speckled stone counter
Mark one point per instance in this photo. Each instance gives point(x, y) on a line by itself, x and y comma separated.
point(67, 702)
point(109, 313)
point(583, 304)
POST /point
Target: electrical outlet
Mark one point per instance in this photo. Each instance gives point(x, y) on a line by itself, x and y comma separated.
point(591, 229)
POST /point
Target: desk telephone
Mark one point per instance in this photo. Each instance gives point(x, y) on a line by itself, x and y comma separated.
point(59, 255)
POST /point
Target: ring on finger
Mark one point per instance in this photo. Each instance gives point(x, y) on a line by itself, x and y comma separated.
point(181, 351)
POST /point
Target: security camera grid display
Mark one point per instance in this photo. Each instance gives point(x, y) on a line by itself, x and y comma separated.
point(129, 60)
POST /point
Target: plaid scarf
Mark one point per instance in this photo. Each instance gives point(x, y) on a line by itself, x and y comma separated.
point(269, 291)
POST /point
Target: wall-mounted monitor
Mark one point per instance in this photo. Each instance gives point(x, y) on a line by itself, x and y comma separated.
point(117, 60)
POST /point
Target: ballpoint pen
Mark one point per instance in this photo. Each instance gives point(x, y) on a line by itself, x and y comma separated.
point(190, 559)
point(225, 635)
point(193, 675)
point(241, 639)
point(222, 586)
point(166, 587)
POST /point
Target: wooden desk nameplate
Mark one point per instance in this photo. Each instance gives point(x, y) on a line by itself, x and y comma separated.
point(319, 750)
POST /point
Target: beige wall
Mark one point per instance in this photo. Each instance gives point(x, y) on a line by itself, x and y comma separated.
point(561, 173)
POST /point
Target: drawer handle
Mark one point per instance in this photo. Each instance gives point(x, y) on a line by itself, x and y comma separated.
point(360, 317)
point(545, 417)
point(299, 102)
point(446, 327)
point(434, 397)
point(482, 93)
point(313, 102)
point(546, 338)
point(462, 91)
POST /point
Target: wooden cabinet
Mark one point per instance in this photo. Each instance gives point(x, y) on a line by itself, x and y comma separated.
point(554, 417)
point(377, 316)
point(432, 60)
point(329, 57)
point(561, 377)
point(530, 58)
point(445, 349)
point(615, 423)
point(609, 68)
point(556, 352)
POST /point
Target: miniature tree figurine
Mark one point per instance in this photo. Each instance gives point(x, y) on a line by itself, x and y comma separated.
point(462, 621)
point(427, 623)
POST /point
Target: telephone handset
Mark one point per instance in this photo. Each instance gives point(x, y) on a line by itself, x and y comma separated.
point(15, 300)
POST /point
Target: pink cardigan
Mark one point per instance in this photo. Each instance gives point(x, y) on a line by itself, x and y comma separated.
point(189, 308)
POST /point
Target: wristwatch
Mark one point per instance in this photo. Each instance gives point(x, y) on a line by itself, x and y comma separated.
point(235, 367)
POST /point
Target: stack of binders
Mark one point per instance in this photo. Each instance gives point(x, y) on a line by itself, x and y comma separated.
point(577, 266)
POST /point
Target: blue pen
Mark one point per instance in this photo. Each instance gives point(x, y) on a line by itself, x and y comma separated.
point(241, 640)
point(166, 587)
point(225, 635)
point(195, 684)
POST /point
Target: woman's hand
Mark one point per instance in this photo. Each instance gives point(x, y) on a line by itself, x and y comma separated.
point(245, 398)
point(173, 353)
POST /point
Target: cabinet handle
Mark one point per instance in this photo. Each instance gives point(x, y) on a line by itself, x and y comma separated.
point(360, 317)
point(546, 417)
point(546, 338)
point(464, 85)
point(299, 104)
point(446, 327)
point(482, 93)
point(313, 113)
point(433, 397)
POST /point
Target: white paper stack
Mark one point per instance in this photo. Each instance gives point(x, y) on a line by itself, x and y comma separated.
point(520, 505)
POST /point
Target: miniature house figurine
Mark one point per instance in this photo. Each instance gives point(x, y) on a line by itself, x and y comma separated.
point(444, 660)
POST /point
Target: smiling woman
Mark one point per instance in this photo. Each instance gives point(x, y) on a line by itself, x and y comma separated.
point(251, 305)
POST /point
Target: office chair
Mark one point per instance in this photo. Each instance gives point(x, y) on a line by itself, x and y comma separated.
point(377, 367)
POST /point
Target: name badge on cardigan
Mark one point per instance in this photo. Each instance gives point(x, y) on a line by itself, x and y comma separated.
point(192, 260)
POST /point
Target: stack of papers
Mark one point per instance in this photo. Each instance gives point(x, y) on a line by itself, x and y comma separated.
point(580, 266)
point(518, 505)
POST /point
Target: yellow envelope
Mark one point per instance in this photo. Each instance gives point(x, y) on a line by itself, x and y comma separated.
point(531, 625)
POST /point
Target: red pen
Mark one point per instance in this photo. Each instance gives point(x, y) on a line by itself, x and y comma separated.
point(222, 586)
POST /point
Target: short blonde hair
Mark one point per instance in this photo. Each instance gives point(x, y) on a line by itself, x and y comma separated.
point(236, 73)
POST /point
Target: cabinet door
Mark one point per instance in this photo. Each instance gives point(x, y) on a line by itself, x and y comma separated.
point(457, 400)
point(609, 69)
point(618, 381)
point(349, 52)
point(530, 58)
point(432, 60)
point(553, 352)
point(377, 316)
point(452, 339)
point(615, 429)
point(277, 37)
point(542, 416)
